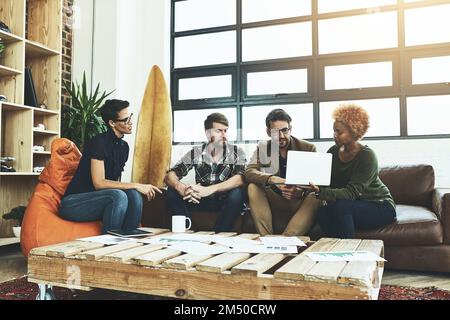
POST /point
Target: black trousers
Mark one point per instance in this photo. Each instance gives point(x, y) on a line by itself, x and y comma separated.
point(340, 218)
point(229, 204)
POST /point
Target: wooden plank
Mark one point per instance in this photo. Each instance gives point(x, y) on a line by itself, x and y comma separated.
point(97, 254)
point(258, 264)
point(301, 264)
point(363, 273)
point(126, 255)
point(187, 285)
point(73, 249)
point(185, 261)
point(154, 258)
point(324, 244)
point(222, 262)
point(42, 251)
point(295, 269)
point(329, 271)
point(375, 246)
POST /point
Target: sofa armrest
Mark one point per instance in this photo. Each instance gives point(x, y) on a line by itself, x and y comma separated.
point(441, 206)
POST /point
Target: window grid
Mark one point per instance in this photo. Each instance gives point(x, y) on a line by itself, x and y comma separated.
point(401, 58)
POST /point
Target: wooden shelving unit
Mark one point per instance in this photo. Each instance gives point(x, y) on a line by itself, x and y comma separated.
point(35, 42)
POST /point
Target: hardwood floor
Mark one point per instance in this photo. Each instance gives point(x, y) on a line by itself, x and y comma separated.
point(416, 279)
point(13, 265)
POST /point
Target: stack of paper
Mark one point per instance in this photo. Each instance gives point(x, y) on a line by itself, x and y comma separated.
point(344, 256)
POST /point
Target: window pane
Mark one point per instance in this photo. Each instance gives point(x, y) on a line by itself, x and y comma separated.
point(283, 41)
point(333, 5)
point(260, 10)
point(189, 124)
point(384, 117)
point(427, 25)
point(364, 75)
point(205, 87)
point(428, 115)
point(429, 70)
point(277, 82)
point(254, 121)
point(205, 49)
point(214, 14)
point(363, 32)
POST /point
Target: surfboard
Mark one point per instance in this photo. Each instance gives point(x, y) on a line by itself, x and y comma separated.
point(153, 143)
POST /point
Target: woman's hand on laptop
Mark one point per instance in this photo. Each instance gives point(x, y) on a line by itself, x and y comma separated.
point(291, 192)
point(312, 187)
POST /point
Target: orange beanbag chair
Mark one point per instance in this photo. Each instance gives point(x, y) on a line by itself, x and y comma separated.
point(42, 225)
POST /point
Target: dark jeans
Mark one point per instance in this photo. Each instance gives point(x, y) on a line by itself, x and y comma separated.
point(230, 206)
point(341, 218)
point(118, 209)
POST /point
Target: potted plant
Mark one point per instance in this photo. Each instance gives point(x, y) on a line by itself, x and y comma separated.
point(16, 214)
point(82, 121)
point(2, 47)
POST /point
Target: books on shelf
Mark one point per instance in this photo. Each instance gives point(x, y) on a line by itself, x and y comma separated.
point(30, 91)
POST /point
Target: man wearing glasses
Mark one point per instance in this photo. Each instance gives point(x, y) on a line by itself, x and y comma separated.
point(266, 174)
point(96, 192)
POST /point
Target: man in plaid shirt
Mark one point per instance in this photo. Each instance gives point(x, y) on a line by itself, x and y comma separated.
point(219, 170)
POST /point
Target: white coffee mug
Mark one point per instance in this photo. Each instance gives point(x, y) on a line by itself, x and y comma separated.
point(179, 223)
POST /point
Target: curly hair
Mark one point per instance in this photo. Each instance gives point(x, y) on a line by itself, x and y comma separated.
point(354, 117)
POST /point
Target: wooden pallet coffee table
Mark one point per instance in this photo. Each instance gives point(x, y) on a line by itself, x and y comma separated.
point(155, 270)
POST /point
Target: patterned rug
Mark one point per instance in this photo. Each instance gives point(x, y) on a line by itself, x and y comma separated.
point(21, 289)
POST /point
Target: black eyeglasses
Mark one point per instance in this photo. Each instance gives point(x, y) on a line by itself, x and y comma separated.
point(283, 131)
point(126, 120)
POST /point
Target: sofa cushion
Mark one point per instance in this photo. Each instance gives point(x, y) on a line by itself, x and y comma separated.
point(411, 185)
point(62, 165)
point(414, 214)
point(414, 226)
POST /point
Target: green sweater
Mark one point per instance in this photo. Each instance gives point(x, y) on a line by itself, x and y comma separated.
point(357, 179)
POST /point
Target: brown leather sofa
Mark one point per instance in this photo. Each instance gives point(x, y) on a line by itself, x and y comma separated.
point(418, 240)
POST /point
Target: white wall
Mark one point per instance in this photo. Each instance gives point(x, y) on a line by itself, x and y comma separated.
point(131, 36)
point(82, 39)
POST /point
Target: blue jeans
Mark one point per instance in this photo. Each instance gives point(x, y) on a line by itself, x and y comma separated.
point(340, 218)
point(229, 204)
point(118, 209)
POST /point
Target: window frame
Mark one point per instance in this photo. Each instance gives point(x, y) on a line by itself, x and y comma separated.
point(401, 58)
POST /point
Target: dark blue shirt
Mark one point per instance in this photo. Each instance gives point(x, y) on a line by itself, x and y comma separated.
point(107, 147)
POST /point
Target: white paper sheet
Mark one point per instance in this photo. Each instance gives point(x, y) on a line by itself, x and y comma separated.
point(198, 248)
point(107, 239)
point(260, 248)
point(282, 241)
point(344, 256)
point(235, 241)
point(177, 238)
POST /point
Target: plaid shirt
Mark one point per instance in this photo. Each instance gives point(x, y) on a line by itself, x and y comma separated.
point(207, 172)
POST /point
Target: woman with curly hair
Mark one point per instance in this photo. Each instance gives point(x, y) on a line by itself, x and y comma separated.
point(357, 198)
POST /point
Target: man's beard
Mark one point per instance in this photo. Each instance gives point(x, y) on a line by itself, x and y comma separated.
point(221, 142)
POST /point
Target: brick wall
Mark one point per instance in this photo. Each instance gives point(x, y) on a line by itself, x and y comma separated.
point(66, 50)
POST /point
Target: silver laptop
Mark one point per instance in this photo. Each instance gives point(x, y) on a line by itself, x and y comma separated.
point(305, 167)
